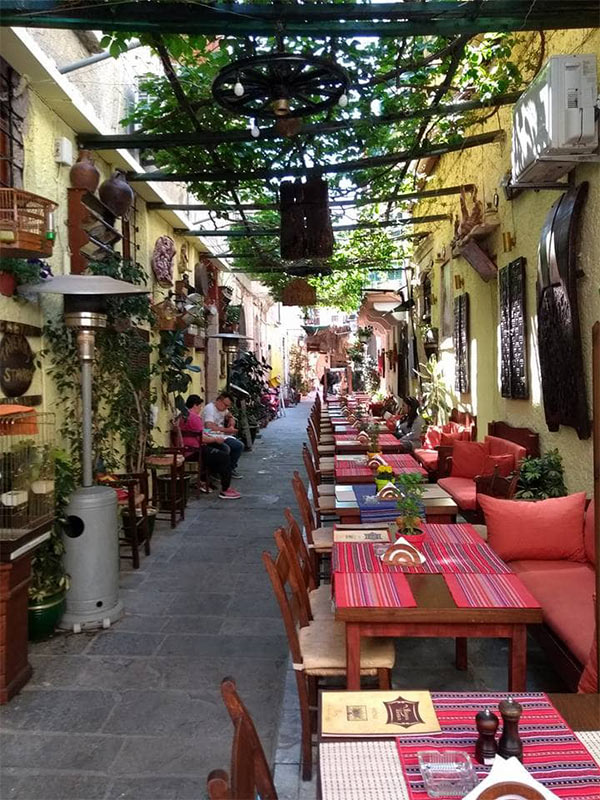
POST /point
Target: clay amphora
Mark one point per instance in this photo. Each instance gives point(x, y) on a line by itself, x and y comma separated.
point(117, 194)
point(83, 174)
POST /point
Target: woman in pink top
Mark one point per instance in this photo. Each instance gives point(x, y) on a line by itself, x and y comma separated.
point(215, 453)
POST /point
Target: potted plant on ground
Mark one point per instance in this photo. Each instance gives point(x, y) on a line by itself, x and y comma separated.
point(17, 271)
point(540, 478)
point(410, 507)
point(49, 581)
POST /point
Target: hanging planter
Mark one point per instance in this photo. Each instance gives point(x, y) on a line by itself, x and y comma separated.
point(298, 292)
point(166, 315)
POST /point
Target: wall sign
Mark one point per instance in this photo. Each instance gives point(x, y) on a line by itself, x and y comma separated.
point(16, 364)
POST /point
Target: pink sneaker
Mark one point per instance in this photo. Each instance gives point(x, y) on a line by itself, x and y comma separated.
point(230, 494)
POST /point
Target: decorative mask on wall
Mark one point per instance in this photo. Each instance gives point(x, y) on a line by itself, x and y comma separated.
point(162, 260)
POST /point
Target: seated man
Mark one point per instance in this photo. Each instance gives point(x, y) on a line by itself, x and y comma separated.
point(218, 418)
point(215, 453)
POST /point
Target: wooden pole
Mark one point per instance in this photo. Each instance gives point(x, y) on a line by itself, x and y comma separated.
point(596, 437)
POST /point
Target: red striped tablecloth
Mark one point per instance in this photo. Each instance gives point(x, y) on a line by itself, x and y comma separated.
point(385, 439)
point(552, 754)
point(451, 533)
point(400, 463)
point(489, 591)
point(439, 558)
point(372, 590)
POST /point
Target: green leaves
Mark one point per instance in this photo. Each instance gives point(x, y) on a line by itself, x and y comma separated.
point(543, 477)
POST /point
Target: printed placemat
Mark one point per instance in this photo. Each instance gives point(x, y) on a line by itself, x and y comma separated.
point(489, 591)
point(372, 590)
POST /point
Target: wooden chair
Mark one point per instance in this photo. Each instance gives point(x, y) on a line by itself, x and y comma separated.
point(319, 489)
point(302, 577)
point(318, 649)
point(195, 459)
point(168, 466)
point(135, 521)
point(325, 443)
point(250, 774)
point(320, 539)
point(324, 504)
point(325, 464)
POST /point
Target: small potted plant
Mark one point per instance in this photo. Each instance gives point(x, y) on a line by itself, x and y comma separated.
point(364, 334)
point(410, 507)
point(384, 475)
point(542, 477)
point(232, 319)
point(17, 271)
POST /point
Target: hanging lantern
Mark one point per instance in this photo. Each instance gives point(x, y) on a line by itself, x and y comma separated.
point(306, 230)
point(299, 293)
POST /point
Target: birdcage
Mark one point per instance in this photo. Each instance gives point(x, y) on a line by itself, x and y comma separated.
point(26, 224)
point(27, 448)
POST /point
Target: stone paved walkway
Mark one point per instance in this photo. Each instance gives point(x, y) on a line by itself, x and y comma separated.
point(135, 712)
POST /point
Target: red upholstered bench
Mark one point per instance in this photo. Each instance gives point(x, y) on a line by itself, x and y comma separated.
point(437, 444)
point(555, 559)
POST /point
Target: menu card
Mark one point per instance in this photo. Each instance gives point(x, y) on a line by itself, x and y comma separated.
point(377, 713)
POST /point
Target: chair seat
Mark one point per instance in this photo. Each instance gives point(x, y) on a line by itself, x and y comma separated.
point(323, 540)
point(326, 439)
point(325, 490)
point(326, 449)
point(164, 461)
point(320, 602)
point(326, 466)
point(326, 504)
point(138, 500)
point(323, 648)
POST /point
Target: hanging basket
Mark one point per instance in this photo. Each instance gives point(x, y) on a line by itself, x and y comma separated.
point(299, 292)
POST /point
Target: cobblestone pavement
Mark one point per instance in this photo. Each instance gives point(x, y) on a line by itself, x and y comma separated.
point(135, 712)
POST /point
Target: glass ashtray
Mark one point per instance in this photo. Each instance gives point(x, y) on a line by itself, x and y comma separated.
point(447, 773)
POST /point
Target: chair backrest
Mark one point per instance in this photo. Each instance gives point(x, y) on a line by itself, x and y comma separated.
point(313, 443)
point(175, 435)
point(306, 512)
point(312, 426)
point(301, 550)
point(296, 577)
point(278, 571)
point(525, 437)
point(310, 471)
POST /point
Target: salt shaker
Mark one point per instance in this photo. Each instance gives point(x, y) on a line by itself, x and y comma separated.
point(485, 747)
point(510, 743)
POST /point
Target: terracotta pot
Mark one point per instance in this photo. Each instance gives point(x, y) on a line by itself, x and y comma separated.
point(83, 174)
point(8, 284)
point(117, 194)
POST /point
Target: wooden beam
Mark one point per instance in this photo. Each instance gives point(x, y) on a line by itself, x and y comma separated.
point(358, 164)
point(356, 203)
point(433, 18)
point(158, 141)
point(238, 233)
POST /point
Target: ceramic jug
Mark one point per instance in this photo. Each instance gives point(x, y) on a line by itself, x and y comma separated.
point(84, 174)
point(117, 194)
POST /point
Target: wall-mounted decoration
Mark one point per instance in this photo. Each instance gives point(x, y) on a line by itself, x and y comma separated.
point(513, 339)
point(16, 364)
point(298, 292)
point(559, 335)
point(84, 174)
point(162, 260)
point(183, 261)
point(461, 343)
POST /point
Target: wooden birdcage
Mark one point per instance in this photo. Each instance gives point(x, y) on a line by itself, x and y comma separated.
point(26, 225)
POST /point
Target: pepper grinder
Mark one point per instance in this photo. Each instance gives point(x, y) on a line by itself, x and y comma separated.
point(510, 743)
point(485, 747)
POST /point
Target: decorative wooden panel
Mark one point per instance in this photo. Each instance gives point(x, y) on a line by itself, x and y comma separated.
point(513, 339)
point(461, 342)
point(559, 335)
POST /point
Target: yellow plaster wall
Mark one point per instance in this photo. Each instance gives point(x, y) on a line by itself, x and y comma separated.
point(523, 218)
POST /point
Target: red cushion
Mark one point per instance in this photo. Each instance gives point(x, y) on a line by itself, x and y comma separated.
point(505, 465)
point(462, 491)
point(449, 439)
point(589, 535)
point(500, 446)
point(390, 422)
point(566, 597)
point(432, 437)
point(468, 459)
point(428, 458)
point(546, 529)
point(528, 565)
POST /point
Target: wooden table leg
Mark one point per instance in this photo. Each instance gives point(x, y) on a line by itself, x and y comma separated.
point(517, 668)
point(461, 653)
point(352, 657)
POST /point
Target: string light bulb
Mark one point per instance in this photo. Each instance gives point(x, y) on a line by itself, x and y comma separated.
point(343, 101)
point(254, 129)
point(238, 88)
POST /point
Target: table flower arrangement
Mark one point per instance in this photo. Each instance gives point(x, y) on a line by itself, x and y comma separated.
point(384, 474)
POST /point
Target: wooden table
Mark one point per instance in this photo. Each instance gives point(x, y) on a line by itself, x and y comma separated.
point(439, 506)
point(354, 446)
point(580, 711)
point(369, 475)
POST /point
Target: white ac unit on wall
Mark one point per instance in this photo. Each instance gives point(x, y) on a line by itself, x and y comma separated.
point(554, 124)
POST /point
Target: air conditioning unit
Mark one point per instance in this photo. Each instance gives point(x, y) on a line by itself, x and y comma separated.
point(554, 124)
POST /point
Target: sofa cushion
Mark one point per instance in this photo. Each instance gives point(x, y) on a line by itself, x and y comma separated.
point(428, 458)
point(462, 491)
point(589, 535)
point(432, 438)
point(535, 565)
point(500, 446)
point(547, 529)
point(449, 439)
point(505, 464)
point(566, 597)
point(468, 459)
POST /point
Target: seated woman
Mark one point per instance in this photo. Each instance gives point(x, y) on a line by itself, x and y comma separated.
point(410, 426)
point(215, 453)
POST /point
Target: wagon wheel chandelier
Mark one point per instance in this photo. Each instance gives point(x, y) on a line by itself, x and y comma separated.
point(280, 85)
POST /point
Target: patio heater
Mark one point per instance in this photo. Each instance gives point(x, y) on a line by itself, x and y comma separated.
point(92, 536)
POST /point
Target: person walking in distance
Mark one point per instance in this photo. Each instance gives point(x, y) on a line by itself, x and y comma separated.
point(218, 418)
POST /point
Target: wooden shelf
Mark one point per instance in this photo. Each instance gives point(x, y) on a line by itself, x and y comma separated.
point(476, 234)
point(91, 229)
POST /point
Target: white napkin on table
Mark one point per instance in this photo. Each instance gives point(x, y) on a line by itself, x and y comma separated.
point(505, 770)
